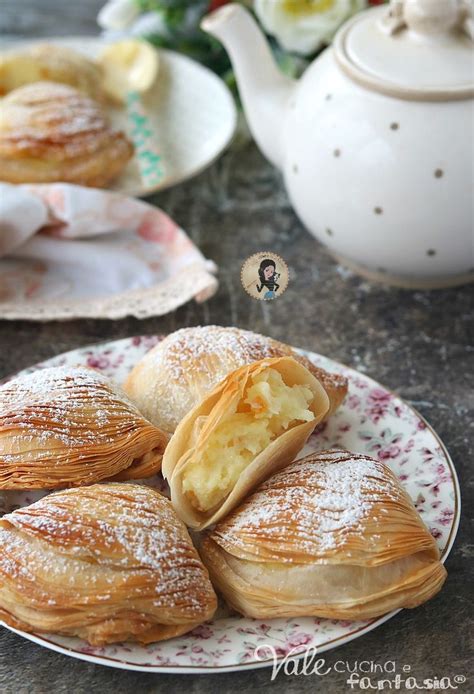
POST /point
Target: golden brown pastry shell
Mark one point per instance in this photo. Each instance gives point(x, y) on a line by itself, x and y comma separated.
point(283, 553)
point(48, 62)
point(185, 366)
point(51, 132)
point(71, 426)
point(107, 563)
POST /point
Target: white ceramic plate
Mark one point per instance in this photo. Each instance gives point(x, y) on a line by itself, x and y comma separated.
point(189, 108)
point(372, 420)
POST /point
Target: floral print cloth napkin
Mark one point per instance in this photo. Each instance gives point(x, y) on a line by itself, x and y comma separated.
point(71, 252)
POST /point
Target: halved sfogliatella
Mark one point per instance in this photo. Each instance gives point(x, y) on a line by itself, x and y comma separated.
point(252, 424)
point(107, 563)
point(71, 426)
point(185, 366)
point(332, 535)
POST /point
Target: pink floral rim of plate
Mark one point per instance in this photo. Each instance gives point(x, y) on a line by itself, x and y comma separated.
point(372, 420)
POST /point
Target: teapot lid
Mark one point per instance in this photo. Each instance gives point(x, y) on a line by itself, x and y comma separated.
point(412, 49)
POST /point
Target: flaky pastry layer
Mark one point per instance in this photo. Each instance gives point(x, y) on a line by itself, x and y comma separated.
point(51, 132)
point(183, 368)
point(107, 563)
point(48, 62)
point(71, 426)
point(332, 535)
point(241, 433)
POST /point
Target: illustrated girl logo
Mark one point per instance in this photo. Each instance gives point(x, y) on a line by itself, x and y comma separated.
point(268, 278)
point(264, 276)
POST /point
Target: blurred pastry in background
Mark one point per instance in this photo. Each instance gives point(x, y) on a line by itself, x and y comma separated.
point(51, 63)
point(52, 132)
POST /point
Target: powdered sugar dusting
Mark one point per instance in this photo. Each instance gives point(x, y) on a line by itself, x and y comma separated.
point(419, 461)
point(41, 383)
point(45, 115)
point(195, 346)
point(62, 415)
point(73, 405)
point(189, 363)
point(102, 540)
point(319, 501)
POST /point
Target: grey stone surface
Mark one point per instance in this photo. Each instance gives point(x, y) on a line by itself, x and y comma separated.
point(417, 343)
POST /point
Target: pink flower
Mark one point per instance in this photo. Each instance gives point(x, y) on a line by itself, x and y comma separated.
point(389, 452)
point(378, 404)
point(98, 362)
point(442, 473)
point(376, 412)
point(446, 516)
point(299, 639)
point(147, 341)
point(420, 500)
point(92, 650)
point(379, 395)
point(353, 402)
point(202, 632)
point(264, 651)
point(264, 627)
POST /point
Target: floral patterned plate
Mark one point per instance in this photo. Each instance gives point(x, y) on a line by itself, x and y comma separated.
point(372, 420)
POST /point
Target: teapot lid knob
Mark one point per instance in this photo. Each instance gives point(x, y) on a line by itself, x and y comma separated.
point(428, 17)
point(413, 49)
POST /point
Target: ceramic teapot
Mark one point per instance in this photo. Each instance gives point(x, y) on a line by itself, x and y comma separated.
point(375, 141)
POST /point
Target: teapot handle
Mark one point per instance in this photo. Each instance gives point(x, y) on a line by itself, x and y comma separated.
point(428, 17)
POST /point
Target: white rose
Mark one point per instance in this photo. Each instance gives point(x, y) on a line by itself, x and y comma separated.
point(148, 24)
point(303, 26)
point(118, 14)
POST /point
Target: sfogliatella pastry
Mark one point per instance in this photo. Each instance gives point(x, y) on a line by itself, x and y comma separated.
point(52, 132)
point(51, 63)
point(175, 375)
point(71, 426)
point(332, 535)
point(107, 563)
point(252, 424)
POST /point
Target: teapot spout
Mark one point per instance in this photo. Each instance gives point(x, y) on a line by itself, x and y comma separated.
point(264, 90)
